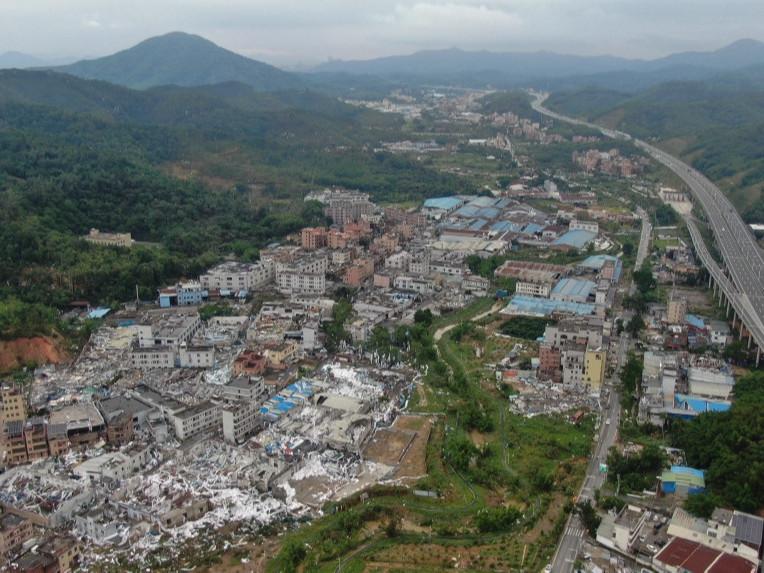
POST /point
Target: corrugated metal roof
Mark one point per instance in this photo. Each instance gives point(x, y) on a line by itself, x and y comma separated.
point(577, 238)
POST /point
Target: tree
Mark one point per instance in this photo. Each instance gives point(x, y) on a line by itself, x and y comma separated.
point(423, 316)
point(635, 325)
point(644, 279)
point(589, 516)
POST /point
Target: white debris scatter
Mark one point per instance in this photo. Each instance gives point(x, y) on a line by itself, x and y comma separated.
point(353, 383)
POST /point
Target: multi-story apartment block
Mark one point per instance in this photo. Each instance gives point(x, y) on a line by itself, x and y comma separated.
point(235, 276)
point(249, 362)
point(577, 331)
point(537, 289)
point(420, 263)
point(387, 243)
point(36, 439)
point(14, 531)
point(64, 550)
point(594, 368)
point(313, 237)
point(313, 264)
point(196, 356)
point(240, 420)
point(412, 218)
point(152, 357)
point(194, 420)
point(14, 443)
point(573, 360)
point(592, 226)
point(550, 362)
point(361, 270)
point(348, 206)
point(476, 284)
point(414, 284)
point(170, 330)
point(13, 404)
point(248, 388)
point(399, 261)
point(300, 283)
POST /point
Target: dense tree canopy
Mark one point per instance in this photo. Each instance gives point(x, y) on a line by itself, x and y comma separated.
point(730, 446)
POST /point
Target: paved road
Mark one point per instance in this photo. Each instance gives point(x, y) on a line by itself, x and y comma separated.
point(572, 539)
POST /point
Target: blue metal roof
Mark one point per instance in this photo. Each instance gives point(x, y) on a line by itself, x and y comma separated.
point(99, 312)
point(532, 306)
point(693, 320)
point(577, 238)
point(488, 213)
point(501, 226)
point(466, 211)
point(444, 203)
point(532, 228)
point(596, 261)
point(698, 405)
point(477, 225)
point(574, 287)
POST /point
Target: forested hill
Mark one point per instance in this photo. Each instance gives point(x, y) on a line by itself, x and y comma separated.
point(203, 172)
point(181, 59)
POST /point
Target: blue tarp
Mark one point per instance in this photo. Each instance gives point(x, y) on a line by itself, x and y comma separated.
point(99, 312)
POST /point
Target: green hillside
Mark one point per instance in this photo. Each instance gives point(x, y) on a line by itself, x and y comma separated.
point(181, 59)
point(203, 172)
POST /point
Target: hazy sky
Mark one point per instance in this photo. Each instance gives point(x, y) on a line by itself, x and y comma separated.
point(290, 32)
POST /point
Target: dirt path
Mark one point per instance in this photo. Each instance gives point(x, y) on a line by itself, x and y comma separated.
point(441, 331)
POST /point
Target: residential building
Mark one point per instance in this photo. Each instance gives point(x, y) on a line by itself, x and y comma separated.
point(281, 355)
point(313, 237)
point(538, 289)
point(550, 362)
point(36, 438)
point(241, 419)
point(64, 550)
point(299, 283)
point(58, 440)
point(573, 360)
point(677, 310)
point(169, 329)
point(14, 443)
point(236, 276)
point(14, 531)
point(13, 404)
point(419, 264)
point(592, 226)
point(246, 388)
point(476, 284)
point(359, 271)
point(115, 406)
point(83, 422)
point(399, 261)
point(414, 284)
point(102, 525)
point(594, 368)
point(250, 363)
point(194, 420)
point(196, 356)
point(120, 429)
point(154, 357)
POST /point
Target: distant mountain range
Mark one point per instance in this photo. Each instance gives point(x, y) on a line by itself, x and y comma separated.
point(555, 71)
point(184, 60)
